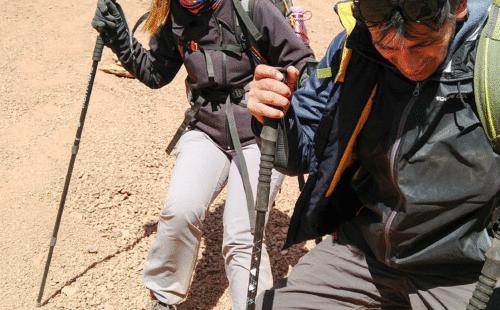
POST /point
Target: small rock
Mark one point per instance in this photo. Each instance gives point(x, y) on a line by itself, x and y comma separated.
point(92, 249)
point(69, 291)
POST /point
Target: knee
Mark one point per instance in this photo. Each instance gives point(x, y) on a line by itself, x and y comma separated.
point(234, 251)
point(181, 213)
point(238, 251)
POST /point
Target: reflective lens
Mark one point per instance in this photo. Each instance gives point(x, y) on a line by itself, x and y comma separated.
point(377, 11)
point(420, 10)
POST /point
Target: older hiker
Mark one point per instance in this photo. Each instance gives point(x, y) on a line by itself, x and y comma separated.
point(402, 177)
point(203, 36)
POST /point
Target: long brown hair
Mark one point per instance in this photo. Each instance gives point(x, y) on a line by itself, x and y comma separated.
point(157, 16)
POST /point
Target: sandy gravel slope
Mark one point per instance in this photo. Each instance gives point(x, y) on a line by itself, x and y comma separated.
point(121, 173)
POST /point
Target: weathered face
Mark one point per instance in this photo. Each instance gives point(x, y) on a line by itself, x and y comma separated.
point(418, 56)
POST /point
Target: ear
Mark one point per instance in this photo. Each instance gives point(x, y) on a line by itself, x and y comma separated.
point(461, 9)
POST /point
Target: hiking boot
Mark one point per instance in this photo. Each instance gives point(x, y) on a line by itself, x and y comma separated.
point(158, 305)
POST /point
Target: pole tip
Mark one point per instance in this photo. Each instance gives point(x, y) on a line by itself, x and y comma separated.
point(38, 305)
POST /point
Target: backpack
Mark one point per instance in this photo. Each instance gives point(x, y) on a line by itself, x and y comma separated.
point(487, 77)
point(248, 36)
point(251, 38)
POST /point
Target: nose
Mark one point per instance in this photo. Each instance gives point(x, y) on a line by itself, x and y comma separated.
point(409, 62)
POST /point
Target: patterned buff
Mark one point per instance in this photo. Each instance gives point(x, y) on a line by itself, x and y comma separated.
point(199, 6)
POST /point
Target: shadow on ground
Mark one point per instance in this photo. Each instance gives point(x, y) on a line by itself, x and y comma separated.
point(148, 230)
point(210, 281)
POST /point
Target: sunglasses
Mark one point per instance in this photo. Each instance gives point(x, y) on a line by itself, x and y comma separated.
point(380, 11)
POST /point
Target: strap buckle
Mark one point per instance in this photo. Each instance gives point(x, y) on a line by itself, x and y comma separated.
point(237, 93)
point(193, 46)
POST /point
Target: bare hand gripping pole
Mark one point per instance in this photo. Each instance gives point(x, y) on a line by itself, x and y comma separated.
point(99, 45)
point(269, 142)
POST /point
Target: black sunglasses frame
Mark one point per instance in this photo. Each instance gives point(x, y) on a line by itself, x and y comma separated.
point(395, 5)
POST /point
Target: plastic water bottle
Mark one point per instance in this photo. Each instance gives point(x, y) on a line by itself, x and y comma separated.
point(298, 14)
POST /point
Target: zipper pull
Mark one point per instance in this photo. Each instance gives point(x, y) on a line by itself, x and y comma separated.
point(416, 91)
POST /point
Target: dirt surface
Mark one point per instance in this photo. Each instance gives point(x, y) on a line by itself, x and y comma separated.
point(120, 178)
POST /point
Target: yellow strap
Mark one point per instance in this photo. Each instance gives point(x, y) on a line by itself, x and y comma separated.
point(346, 56)
point(344, 9)
point(348, 157)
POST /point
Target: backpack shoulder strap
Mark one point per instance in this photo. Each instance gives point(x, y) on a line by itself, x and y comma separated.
point(486, 77)
point(280, 4)
point(246, 31)
point(344, 11)
point(244, 17)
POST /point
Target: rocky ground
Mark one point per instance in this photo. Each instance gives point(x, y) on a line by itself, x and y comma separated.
point(121, 173)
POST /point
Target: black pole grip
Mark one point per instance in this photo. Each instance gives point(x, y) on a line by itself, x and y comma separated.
point(269, 136)
point(488, 278)
point(99, 46)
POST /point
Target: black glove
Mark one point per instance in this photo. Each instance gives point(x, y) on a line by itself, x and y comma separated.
point(108, 20)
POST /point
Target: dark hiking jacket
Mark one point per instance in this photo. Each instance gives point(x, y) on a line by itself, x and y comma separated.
point(159, 65)
point(410, 171)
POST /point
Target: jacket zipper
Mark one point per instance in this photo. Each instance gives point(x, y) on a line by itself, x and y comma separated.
point(393, 157)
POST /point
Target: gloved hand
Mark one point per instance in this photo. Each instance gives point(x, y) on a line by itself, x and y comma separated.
point(108, 20)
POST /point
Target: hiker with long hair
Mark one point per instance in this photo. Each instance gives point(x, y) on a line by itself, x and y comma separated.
point(218, 148)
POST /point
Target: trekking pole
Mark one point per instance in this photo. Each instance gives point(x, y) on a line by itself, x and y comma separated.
point(489, 274)
point(269, 136)
point(99, 46)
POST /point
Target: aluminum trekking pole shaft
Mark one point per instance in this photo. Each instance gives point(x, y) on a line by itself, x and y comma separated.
point(99, 45)
point(269, 136)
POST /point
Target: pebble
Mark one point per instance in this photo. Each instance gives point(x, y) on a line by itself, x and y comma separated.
point(69, 291)
point(92, 249)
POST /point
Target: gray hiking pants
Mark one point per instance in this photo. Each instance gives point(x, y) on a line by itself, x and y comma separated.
point(338, 275)
point(201, 171)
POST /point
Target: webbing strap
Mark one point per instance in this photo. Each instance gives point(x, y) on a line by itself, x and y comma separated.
point(209, 62)
point(190, 113)
point(215, 47)
point(281, 154)
point(224, 47)
point(249, 25)
point(242, 163)
point(235, 139)
point(280, 5)
point(139, 21)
